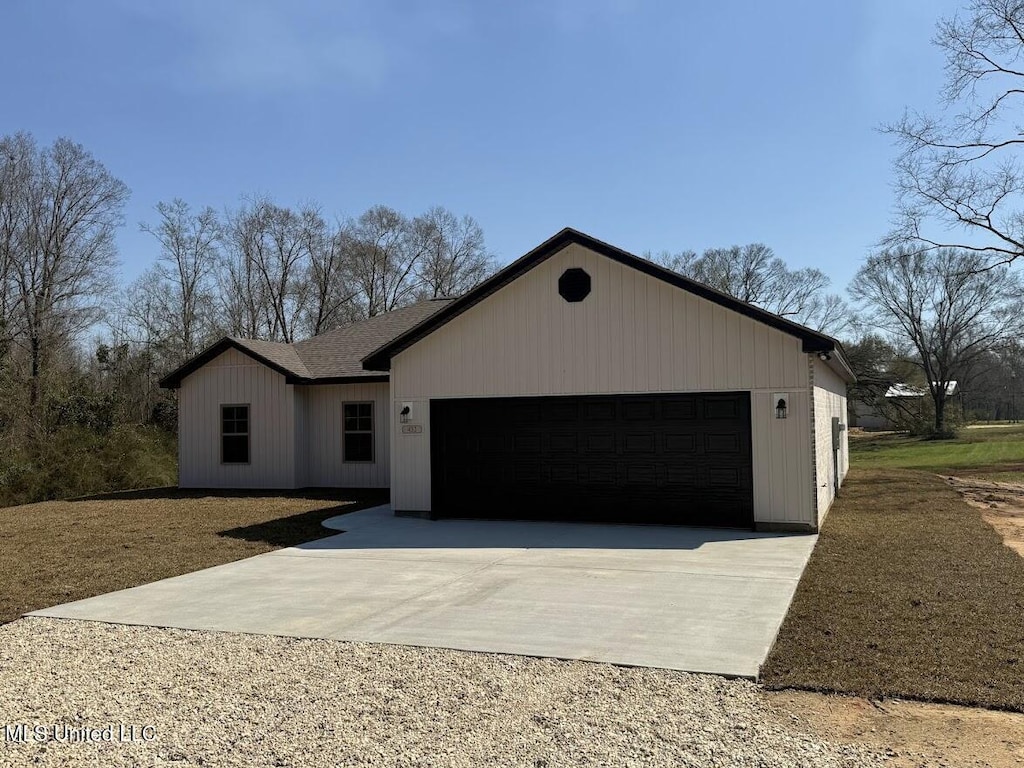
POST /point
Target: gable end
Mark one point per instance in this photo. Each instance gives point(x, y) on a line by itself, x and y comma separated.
point(380, 360)
point(173, 379)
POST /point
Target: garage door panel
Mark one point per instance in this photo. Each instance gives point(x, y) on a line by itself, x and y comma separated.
point(526, 472)
point(721, 408)
point(522, 412)
point(681, 475)
point(640, 473)
point(492, 443)
point(559, 411)
point(722, 443)
point(601, 443)
point(599, 410)
point(564, 443)
point(605, 475)
point(723, 477)
point(669, 458)
point(680, 443)
point(679, 409)
point(638, 410)
point(526, 442)
point(638, 443)
point(564, 475)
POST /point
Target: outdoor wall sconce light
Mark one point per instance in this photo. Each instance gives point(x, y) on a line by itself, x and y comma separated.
point(406, 413)
point(781, 400)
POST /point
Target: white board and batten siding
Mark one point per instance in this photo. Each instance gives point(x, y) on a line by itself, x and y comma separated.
point(295, 432)
point(324, 465)
point(829, 401)
point(632, 334)
point(234, 378)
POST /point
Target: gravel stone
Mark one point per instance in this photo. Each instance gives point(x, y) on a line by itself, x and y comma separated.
point(217, 699)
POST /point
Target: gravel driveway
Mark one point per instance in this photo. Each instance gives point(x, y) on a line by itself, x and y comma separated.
point(245, 700)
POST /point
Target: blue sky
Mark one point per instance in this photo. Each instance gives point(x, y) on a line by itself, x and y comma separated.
point(652, 125)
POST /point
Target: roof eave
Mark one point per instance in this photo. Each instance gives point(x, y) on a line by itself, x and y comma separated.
point(367, 378)
point(835, 358)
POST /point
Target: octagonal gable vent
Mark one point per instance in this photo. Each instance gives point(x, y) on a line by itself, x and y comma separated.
point(574, 285)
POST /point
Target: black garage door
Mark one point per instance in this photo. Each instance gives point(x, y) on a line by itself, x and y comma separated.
point(679, 459)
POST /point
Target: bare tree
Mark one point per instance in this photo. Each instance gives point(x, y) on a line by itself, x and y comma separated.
point(331, 294)
point(959, 179)
point(382, 256)
point(242, 298)
point(179, 286)
point(454, 257)
point(949, 312)
point(67, 257)
point(754, 274)
point(17, 163)
point(750, 272)
point(263, 281)
point(140, 346)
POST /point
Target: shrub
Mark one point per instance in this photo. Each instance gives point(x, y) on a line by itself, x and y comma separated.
point(75, 460)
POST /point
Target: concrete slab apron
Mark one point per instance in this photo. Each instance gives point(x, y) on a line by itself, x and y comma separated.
point(698, 600)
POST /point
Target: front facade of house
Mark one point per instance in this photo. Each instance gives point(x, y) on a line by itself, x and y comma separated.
point(294, 431)
point(578, 383)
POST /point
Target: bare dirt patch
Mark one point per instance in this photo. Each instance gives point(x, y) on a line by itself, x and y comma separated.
point(943, 734)
point(1001, 505)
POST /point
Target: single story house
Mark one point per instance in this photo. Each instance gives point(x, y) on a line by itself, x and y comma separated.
point(579, 382)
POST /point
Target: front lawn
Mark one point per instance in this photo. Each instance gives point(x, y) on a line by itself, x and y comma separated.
point(909, 592)
point(58, 551)
point(984, 447)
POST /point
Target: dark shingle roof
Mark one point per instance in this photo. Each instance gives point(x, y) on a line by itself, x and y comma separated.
point(284, 355)
point(333, 356)
point(340, 352)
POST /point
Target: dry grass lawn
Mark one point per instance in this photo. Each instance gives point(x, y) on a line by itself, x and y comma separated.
point(58, 551)
point(909, 593)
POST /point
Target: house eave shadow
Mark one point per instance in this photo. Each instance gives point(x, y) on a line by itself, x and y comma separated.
point(389, 532)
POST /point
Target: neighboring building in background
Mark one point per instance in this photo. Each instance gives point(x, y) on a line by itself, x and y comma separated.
point(580, 382)
point(900, 406)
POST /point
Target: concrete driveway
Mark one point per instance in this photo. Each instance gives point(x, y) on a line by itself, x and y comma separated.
point(700, 600)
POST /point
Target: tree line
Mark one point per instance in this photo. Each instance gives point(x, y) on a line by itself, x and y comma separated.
point(754, 274)
point(267, 271)
point(80, 356)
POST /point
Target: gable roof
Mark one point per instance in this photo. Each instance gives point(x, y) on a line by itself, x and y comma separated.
point(813, 341)
point(339, 353)
point(275, 353)
point(332, 357)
